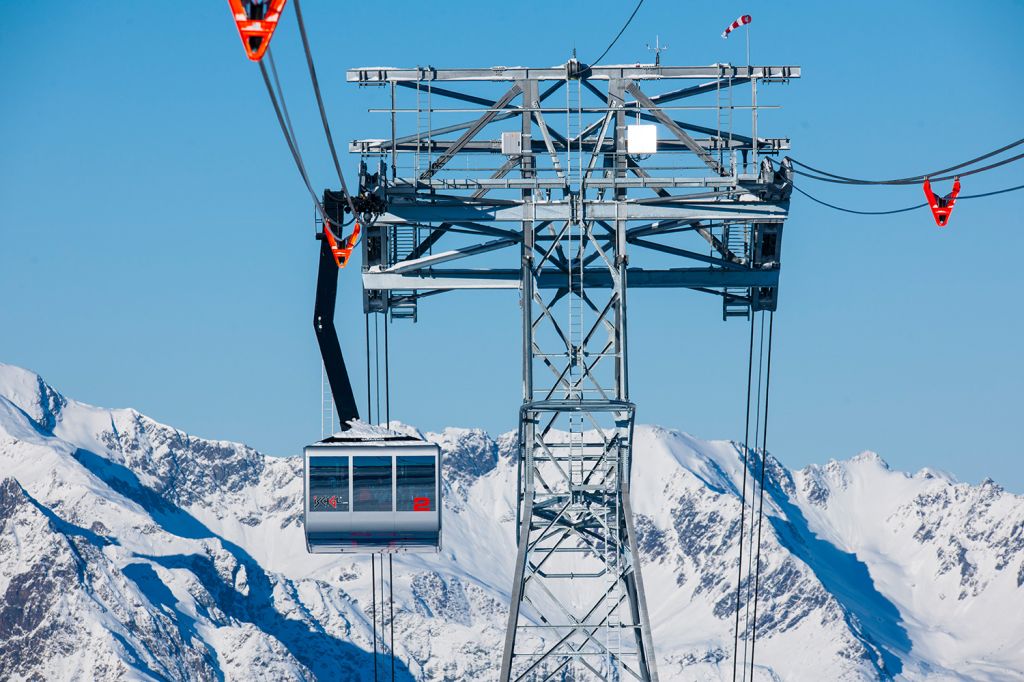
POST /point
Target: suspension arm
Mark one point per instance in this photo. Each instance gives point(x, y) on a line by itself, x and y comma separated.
point(327, 336)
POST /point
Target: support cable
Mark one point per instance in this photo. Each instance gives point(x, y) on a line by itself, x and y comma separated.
point(750, 534)
point(373, 401)
point(383, 639)
point(913, 180)
point(284, 108)
point(376, 364)
point(619, 34)
point(962, 197)
point(387, 373)
point(320, 104)
point(391, 610)
point(922, 178)
point(373, 591)
point(369, 402)
point(743, 499)
point(292, 145)
point(760, 513)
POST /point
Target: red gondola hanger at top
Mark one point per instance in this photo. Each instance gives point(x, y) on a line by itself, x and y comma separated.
point(256, 21)
point(941, 207)
point(341, 250)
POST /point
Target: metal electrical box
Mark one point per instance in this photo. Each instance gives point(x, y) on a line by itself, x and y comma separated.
point(512, 143)
point(641, 138)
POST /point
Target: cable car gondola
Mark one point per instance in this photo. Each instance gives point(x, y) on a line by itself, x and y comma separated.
point(372, 495)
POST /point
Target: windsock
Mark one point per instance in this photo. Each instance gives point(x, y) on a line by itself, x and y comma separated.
point(742, 21)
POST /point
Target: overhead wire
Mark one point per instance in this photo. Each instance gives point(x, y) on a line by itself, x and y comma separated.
point(320, 103)
point(284, 108)
point(619, 34)
point(760, 513)
point(743, 498)
point(391, 609)
point(908, 208)
point(383, 639)
point(374, 388)
point(292, 144)
point(851, 210)
point(913, 181)
point(373, 591)
point(750, 533)
point(917, 178)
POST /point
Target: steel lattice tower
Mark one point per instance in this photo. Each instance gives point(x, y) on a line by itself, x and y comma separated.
point(548, 168)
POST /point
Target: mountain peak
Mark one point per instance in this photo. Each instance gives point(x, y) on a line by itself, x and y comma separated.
point(183, 558)
point(36, 398)
point(870, 457)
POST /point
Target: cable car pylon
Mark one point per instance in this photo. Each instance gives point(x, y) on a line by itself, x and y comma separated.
point(574, 204)
point(546, 189)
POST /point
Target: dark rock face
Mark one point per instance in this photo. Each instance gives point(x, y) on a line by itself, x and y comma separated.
point(441, 597)
point(474, 454)
point(652, 542)
point(11, 497)
point(66, 576)
point(185, 469)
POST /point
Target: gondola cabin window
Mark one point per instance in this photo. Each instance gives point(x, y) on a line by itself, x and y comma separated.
point(371, 483)
point(328, 484)
point(416, 483)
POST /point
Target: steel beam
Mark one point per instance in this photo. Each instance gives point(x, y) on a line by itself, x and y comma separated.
point(368, 75)
point(765, 144)
point(760, 212)
point(553, 278)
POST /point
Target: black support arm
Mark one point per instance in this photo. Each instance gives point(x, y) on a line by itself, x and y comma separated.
point(327, 337)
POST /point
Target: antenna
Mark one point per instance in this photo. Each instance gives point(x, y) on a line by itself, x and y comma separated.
point(657, 50)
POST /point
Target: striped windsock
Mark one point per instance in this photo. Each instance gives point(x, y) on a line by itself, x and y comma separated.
point(742, 21)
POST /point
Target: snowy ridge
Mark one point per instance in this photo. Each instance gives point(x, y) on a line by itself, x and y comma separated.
point(132, 550)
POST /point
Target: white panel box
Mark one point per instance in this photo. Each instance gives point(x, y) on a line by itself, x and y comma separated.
point(641, 138)
point(512, 143)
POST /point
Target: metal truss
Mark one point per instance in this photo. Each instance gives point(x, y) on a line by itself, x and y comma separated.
point(540, 192)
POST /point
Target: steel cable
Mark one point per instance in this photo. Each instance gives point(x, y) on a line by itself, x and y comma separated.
point(832, 177)
point(760, 512)
point(908, 208)
point(750, 539)
point(619, 34)
point(320, 104)
point(373, 589)
point(292, 146)
point(997, 164)
point(391, 610)
point(743, 499)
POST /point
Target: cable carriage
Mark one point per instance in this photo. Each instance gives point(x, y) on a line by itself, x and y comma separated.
point(372, 496)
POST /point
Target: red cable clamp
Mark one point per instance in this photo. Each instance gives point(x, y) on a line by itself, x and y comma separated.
point(344, 252)
point(256, 21)
point(941, 207)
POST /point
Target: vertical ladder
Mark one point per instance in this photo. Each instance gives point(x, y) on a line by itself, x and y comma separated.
point(724, 109)
point(613, 562)
point(735, 302)
point(327, 411)
point(424, 132)
point(404, 239)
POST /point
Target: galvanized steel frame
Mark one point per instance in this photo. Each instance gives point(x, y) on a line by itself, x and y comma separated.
point(577, 596)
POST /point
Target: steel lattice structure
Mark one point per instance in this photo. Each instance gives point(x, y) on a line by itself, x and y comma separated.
point(541, 192)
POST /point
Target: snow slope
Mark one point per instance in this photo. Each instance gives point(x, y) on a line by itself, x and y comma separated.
point(131, 550)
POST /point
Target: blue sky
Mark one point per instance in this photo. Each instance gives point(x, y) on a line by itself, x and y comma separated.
point(156, 250)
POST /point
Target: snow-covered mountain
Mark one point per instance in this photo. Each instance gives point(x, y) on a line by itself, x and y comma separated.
point(131, 550)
